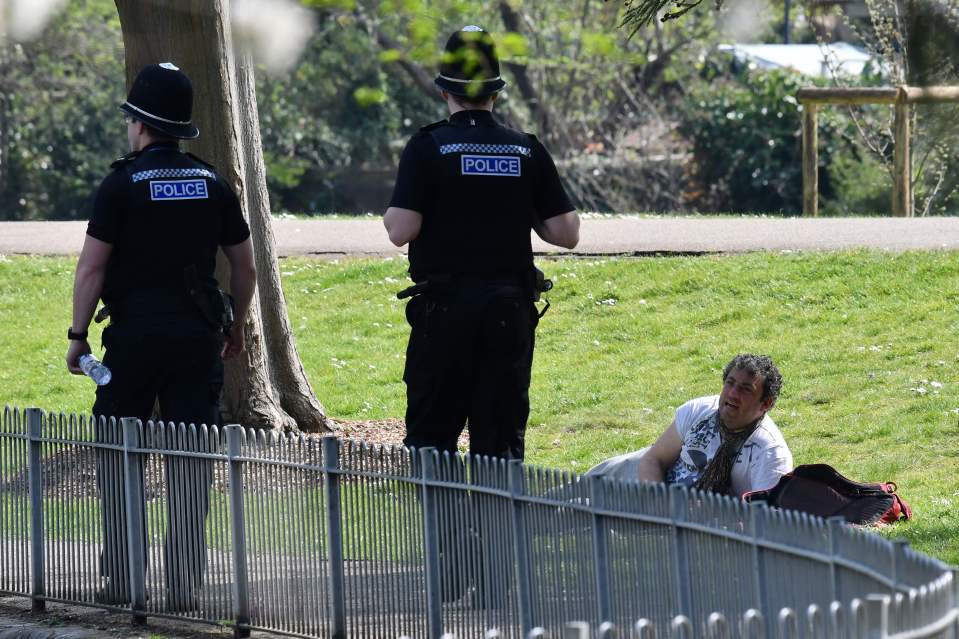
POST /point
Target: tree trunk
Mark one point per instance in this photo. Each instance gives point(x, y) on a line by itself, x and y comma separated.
point(542, 118)
point(265, 387)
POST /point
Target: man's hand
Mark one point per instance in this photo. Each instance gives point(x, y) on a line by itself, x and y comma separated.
point(77, 349)
point(87, 286)
point(234, 342)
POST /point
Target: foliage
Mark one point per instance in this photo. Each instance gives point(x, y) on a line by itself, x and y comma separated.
point(861, 185)
point(745, 131)
point(870, 382)
point(915, 44)
point(641, 13)
point(59, 126)
point(581, 86)
point(606, 105)
point(337, 111)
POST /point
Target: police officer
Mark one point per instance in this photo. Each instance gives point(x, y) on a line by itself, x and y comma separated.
point(149, 254)
point(467, 194)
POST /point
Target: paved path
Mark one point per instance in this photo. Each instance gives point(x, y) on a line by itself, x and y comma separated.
point(598, 235)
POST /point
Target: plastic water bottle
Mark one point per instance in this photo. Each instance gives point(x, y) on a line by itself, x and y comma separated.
point(95, 370)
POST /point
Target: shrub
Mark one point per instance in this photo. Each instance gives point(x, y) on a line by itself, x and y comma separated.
point(745, 131)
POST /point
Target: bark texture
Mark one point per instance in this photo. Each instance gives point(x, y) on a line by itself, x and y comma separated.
point(266, 387)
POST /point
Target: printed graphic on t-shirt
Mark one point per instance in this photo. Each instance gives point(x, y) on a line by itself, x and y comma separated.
point(699, 447)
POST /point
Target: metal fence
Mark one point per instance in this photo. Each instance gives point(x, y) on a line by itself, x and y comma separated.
point(326, 538)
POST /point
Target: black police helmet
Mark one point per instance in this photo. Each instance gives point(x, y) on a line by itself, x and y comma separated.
point(162, 98)
point(469, 66)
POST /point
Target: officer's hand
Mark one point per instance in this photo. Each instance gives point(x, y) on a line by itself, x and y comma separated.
point(234, 342)
point(77, 349)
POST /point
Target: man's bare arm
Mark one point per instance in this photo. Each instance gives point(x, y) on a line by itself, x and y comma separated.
point(661, 455)
point(560, 230)
point(87, 287)
point(403, 225)
point(242, 285)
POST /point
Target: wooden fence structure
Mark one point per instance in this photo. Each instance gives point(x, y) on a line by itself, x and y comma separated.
point(902, 97)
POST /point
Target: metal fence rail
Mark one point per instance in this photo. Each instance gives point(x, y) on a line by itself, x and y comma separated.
point(327, 538)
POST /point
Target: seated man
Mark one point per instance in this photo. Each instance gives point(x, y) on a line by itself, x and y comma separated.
point(725, 443)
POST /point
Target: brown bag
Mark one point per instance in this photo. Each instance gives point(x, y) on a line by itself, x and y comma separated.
point(818, 489)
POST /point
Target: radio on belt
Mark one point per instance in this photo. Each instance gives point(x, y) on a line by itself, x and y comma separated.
point(508, 165)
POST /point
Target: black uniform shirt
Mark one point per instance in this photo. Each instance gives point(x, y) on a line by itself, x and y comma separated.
point(163, 210)
point(480, 187)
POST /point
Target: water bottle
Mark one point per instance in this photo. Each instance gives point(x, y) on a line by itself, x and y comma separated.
point(96, 371)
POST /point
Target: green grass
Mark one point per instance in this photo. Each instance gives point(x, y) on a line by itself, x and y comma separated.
point(866, 342)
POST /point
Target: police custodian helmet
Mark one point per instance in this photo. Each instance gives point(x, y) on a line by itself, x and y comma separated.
point(469, 66)
point(162, 98)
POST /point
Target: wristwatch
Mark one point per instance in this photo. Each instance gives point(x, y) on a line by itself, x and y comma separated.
point(76, 336)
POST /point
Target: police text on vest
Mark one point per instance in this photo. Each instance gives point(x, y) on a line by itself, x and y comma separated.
point(508, 165)
point(178, 190)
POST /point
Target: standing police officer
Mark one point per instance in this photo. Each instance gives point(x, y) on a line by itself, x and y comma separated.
point(467, 194)
point(150, 253)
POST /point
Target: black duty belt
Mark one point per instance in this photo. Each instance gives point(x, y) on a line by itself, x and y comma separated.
point(150, 303)
point(447, 283)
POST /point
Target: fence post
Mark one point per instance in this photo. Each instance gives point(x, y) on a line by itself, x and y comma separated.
point(901, 157)
point(788, 624)
point(35, 474)
point(835, 525)
point(517, 488)
point(815, 622)
point(754, 625)
point(877, 616)
point(334, 535)
point(757, 517)
point(810, 161)
point(678, 497)
point(434, 606)
point(837, 620)
point(136, 534)
point(899, 547)
point(235, 436)
point(954, 603)
point(717, 627)
point(597, 502)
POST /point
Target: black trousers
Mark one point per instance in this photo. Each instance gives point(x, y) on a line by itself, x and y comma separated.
point(468, 364)
point(177, 364)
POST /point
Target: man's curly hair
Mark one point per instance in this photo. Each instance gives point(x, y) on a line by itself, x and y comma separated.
point(758, 365)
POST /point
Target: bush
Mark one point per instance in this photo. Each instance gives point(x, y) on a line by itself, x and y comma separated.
point(745, 132)
point(861, 184)
point(59, 124)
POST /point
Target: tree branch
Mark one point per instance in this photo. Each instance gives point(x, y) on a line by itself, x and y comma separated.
point(419, 76)
point(537, 107)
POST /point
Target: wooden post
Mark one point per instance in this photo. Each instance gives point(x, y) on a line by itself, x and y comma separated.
point(902, 165)
point(810, 162)
point(901, 97)
point(839, 95)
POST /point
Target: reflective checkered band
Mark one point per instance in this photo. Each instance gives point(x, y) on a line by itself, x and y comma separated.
point(153, 174)
point(446, 149)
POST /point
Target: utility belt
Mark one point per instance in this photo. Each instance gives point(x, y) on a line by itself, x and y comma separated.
point(534, 283)
point(214, 305)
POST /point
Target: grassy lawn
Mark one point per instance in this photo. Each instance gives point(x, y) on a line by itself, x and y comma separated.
point(866, 342)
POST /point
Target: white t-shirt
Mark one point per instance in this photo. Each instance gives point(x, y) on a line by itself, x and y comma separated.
point(762, 460)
